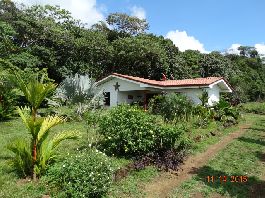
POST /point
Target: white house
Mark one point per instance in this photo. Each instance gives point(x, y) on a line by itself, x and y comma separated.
point(120, 88)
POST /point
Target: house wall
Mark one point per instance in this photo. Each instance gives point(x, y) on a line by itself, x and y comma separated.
point(192, 94)
point(213, 94)
point(125, 89)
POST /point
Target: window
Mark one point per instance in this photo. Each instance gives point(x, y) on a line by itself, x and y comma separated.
point(107, 98)
point(130, 97)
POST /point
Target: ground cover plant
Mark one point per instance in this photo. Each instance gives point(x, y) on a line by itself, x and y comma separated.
point(87, 173)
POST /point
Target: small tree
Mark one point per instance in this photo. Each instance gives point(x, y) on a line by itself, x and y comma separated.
point(204, 98)
point(32, 158)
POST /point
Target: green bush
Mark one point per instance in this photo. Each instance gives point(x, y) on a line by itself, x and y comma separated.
point(226, 113)
point(171, 106)
point(128, 130)
point(86, 174)
point(202, 116)
point(22, 161)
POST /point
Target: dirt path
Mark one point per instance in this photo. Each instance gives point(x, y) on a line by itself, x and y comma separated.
point(162, 185)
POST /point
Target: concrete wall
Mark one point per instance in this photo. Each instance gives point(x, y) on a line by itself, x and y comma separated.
point(136, 97)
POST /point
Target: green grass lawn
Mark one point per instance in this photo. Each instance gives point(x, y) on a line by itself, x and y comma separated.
point(243, 157)
point(219, 131)
point(253, 107)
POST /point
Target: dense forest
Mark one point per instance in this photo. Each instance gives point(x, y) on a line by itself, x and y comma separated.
point(37, 37)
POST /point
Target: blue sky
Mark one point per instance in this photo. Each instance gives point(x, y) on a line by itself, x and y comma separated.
point(205, 25)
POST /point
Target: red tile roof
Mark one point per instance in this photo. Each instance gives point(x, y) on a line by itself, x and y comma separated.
point(172, 83)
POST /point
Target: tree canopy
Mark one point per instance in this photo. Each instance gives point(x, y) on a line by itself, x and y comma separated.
point(49, 37)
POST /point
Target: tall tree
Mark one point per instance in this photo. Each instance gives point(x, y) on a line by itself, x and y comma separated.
point(215, 64)
point(139, 56)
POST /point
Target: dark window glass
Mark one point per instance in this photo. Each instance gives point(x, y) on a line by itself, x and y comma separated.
point(107, 98)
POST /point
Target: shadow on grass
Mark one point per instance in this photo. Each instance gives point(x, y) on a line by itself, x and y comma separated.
point(250, 140)
point(261, 157)
point(257, 129)
point(253, 187)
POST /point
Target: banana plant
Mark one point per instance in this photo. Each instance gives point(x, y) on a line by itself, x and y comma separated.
point(42, 147)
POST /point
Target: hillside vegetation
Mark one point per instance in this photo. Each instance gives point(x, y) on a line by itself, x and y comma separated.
point(39, 37)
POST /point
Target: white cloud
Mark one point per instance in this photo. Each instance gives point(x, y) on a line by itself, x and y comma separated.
point(184, 42)
point(85, 10)
point(233, 49)
point(260, 47)
point(138, 12)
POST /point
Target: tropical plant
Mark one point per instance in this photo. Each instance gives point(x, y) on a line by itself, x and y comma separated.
point(226, 113)
point(171, 106)
point(204, 98)
point(76, 89)
point(41, 148)
point(202, 115)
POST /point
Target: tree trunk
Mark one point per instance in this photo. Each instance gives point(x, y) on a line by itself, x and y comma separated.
point(34, 147)
point(34, 158)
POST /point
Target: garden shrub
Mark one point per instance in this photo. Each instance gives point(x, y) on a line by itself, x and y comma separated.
point(128, 130)
point(86, 174)
point(226, 113)
point(202, 116)
point(171, 106)
point(163, 160)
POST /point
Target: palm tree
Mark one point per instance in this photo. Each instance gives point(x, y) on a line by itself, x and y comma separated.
point(42, 148)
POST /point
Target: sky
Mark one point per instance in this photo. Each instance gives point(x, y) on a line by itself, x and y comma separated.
point(204, 25)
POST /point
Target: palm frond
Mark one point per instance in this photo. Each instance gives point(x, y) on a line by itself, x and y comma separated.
point(48, 123)
point(47, 149)
point(45, 154)
point(73, 134)
point(32, 126)
point(22, 161)
point(35, 91)
point(25, 115)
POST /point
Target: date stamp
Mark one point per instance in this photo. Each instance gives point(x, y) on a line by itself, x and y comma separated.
point(225, 178)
